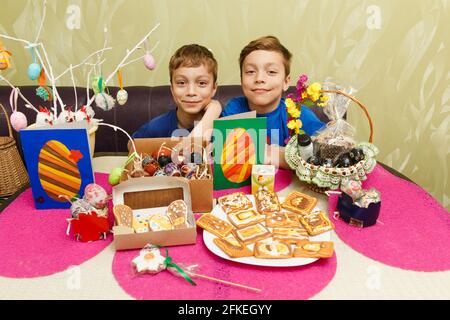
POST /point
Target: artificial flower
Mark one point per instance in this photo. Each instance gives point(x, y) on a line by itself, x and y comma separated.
point(295, 124)
point(313, 91)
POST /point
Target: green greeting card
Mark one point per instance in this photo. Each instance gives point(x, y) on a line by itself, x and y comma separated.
point(238, 144)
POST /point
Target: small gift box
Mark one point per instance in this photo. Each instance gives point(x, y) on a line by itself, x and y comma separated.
point(355, 215)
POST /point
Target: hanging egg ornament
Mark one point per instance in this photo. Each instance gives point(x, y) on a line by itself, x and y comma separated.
point(34, 70)
point(95, 84)
point(18, 121)
point(149, 61)
point(122, 97)
point(5, 62)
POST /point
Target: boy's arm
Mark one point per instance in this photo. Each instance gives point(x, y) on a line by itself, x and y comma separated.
point(205, 126)
point(275, 156)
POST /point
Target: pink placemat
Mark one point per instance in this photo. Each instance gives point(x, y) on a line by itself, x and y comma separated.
point(34, 243)
point(282, 179)
point(413, 229)
point(283, 283)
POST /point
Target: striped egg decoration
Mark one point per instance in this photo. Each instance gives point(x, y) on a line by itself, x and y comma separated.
point(58, 172)
point(238, 155)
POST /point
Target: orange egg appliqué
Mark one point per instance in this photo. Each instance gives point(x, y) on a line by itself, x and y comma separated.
point(238, 155)
point(58, 172)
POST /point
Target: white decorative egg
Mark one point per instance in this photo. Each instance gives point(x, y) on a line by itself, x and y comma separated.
point(122, 97)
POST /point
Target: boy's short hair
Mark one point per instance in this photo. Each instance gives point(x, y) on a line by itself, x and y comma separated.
point(268, 43)
point(193, 55)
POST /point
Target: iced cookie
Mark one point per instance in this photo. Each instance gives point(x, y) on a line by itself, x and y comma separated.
point(272, 250)
point(316, 223)
point(290, 235)
point(314, 249)
point(299, 203)
point(233, 247)
point(177, 213)
point(233, 202)
point(252, 233)
point(245, 218)
point(123, 215)
point(140, 224)
point(215, 225)
point(282, 219)
point(267, 201)
point(158, 222)
point(149, 260)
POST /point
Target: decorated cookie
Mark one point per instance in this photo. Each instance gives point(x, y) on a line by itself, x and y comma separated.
point(140, 224)
point(252, 233)
point(290, 235)
point(215, 225)
point(245, 218)
point(314, 249)
point(272, 250)
point(158, 222)
point(267, 201)
point(149, 260)
point(237, 201)
point(123, 215)
point(316, 223)
point(282, 219)
point(177, 212)
point(299, 203)
point(233, 247)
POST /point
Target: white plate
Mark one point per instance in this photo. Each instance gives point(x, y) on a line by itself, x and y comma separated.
point(290, 262)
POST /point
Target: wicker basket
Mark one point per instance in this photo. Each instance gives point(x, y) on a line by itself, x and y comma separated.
point(13, 175)
point(311, 175)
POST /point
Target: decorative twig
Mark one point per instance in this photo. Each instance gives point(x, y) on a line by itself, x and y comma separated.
point(28, 104)
point(89, 76)
point(74, 87)
point(82, 63)
point(137, 59)
point(44, 10)
point(49, 73)
point(129, 52)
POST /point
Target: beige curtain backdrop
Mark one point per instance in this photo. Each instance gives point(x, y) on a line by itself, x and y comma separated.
point(396, 53)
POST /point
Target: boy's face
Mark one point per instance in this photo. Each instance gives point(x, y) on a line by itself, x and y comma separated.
point(264, 79)
point(192, 88)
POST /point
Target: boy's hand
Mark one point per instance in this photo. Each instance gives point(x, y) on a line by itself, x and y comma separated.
point(205, 126)
point(215, 105)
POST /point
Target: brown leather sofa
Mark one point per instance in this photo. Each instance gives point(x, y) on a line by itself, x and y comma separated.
point(144, 103)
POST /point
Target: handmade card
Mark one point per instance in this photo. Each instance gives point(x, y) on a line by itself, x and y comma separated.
point(239, 142)
point(58, 163)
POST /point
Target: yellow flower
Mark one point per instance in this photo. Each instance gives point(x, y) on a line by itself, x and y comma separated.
point(295, 125)
point(289, 103)
point(313, 91)
point(294, 112)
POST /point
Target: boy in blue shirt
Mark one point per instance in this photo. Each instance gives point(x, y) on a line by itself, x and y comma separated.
point(265, 76)
point(193, 83)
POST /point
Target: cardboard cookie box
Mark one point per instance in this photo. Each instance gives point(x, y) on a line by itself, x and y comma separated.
point(201, 190)
point(145, 199)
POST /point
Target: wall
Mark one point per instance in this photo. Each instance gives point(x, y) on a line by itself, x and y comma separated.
point(395, 53)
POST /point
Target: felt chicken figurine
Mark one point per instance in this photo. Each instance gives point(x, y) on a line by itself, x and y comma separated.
point(66, 116)
point(44, 117)
point(85, 113)
point(4, 58)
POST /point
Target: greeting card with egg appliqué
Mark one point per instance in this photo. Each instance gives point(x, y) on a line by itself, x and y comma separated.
point(239, 143)
point(58, 163)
